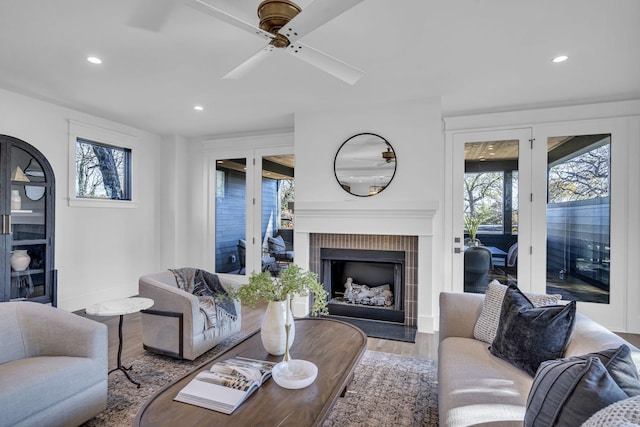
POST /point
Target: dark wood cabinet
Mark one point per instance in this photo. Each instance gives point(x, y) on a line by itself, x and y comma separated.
point(27, 208)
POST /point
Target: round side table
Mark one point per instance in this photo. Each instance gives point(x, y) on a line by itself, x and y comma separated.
point(120, 307)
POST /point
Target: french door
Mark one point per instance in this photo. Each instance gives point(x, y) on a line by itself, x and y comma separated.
point(543, 198)
point(251, 199)
point(491, 182)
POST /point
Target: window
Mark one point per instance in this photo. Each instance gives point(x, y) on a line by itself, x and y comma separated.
point(102, 164)
point(102, 171)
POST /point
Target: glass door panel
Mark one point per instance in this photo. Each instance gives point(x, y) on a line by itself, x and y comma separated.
point(231, 215)
point(490, 213)
point(578, 217)
point(490, 171)
point(28, 227)
point(277, 214)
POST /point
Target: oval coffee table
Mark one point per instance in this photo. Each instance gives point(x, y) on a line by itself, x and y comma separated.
point(335, 347)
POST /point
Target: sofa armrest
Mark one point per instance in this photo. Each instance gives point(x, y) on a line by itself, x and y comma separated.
point(458, 314)
point(49, 331)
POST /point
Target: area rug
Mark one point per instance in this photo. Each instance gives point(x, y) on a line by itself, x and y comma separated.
point(387, 390)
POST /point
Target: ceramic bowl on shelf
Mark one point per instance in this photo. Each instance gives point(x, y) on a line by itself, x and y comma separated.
point(294, 374)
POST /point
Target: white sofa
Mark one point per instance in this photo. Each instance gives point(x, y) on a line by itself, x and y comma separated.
point(477, 388)
point(175, 326)
point(53, 366)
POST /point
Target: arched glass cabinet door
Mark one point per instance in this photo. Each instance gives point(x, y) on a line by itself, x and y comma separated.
point(27, 223)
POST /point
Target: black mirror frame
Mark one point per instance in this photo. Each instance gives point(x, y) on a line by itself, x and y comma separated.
point(389, 146)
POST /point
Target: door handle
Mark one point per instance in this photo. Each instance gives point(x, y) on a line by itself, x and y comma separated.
point(6, 224)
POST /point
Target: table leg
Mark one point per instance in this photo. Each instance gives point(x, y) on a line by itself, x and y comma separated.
point(119, 367)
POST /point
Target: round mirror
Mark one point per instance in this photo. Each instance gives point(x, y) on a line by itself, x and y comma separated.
point(365, 164)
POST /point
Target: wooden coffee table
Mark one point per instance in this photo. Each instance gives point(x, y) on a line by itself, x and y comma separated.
point(334, 346)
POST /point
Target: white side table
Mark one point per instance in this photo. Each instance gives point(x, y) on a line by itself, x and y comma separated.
point(120, 307)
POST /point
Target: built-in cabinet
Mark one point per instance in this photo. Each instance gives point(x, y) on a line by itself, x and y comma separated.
point(27, 207)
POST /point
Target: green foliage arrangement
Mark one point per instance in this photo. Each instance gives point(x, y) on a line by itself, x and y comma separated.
point(292, 280)
point(471, 224)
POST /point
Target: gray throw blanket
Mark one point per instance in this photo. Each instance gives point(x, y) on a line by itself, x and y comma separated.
point(218, 310)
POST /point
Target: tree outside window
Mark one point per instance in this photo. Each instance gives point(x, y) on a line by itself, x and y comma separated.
point(102, 171)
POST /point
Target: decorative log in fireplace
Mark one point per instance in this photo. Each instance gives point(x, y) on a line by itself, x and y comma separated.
point(364, 283)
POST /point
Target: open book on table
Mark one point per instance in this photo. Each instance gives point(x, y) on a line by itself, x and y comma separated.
point(226, 384)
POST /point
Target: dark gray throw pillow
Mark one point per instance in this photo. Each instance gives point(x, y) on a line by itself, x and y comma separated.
point(529, 335)
point(566, 392)
point(620, 366)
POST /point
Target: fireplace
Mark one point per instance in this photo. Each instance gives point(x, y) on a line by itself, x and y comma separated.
point(364, 283)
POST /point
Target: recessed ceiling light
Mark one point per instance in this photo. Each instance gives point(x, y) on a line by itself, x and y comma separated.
point(560, 58)
point(198, 107)
point(94, 60)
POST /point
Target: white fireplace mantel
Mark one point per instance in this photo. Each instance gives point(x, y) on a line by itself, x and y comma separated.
point(408, 218)
point(378, 217)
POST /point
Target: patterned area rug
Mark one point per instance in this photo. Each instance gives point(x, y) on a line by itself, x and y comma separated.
point(387, 390)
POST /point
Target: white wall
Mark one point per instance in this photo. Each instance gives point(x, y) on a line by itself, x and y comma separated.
point(99, 252)
point(414, 129)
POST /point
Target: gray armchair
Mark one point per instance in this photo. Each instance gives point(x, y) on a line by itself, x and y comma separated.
point(175, 326)
point(53, 366)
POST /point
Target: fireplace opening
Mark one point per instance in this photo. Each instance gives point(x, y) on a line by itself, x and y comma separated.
point(363, 283)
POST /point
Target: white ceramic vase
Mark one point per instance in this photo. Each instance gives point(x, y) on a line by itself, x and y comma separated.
point(20, 260)
point(273, 332)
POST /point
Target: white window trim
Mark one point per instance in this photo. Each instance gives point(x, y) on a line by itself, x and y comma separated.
point(105, 136)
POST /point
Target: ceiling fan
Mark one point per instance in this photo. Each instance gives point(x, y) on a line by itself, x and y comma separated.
point(282, 24)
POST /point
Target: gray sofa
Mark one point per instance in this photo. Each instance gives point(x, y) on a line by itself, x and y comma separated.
point(175, 326)
point(53, 366)
point(477, 388)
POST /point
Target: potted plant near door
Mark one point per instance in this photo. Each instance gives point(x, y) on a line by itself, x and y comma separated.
point(471, 224)
point(277, 291)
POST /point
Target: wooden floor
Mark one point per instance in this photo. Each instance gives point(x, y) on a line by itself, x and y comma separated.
point(425, 347)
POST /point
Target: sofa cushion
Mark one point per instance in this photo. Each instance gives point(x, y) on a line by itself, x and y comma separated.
point(476, 388)
point(529, 335)
point(487, 324)
point(567, 392)
point(276, 245)
point(621, 413)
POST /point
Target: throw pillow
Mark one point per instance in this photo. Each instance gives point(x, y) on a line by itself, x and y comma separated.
point(529, 335)
point(487, 324)
point(622, 413)
point(566, 392)
point(276, 244)
point(620, 366)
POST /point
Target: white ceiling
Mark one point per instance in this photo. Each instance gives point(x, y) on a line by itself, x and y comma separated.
point(478, 56)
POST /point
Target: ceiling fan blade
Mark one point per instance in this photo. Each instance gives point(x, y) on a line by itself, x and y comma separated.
point(314, 15)
point(251, 63)
point(326, 63)
point(209, 7)
point(151, 14)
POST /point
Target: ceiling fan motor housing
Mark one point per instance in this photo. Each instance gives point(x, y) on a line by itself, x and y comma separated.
point(275, 14)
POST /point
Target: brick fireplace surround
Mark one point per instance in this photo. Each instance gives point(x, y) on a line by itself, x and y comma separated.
point(408, 244)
